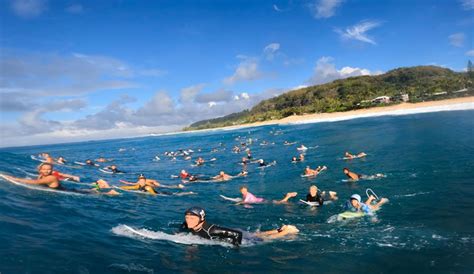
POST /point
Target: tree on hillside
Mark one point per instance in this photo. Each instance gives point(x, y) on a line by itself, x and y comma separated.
point(470, 70)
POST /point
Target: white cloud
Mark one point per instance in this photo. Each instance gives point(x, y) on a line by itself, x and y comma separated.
point(270, 50)
point(276, 8)
point(75, 8)
point(470, 52)
point(212, 104)
point(358, 31)
point(245, 96)
point(467, 4)
point(220, 95)
point(325, 8)
point(188, 94)
point(457, 39)
point(63, 75)
point(28, 8)
point(247, 70)
point(325, 71)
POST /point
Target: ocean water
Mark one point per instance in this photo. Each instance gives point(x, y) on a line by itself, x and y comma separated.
point(427, 227)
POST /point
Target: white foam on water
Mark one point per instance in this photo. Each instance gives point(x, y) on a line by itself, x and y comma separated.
point(182, 238)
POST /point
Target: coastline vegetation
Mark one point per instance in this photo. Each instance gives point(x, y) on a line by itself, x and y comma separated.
point(417, 84)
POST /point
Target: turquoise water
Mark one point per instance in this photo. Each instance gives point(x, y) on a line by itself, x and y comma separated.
point(426, 227)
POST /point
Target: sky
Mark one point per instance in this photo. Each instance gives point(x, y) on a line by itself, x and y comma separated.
point(86, 70)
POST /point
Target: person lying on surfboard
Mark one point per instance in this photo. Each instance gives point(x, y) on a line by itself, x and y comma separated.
point(195, 223)
point(102, 160)
point(249, 198)
point(299, 159)
point(145, 184)
point(222, 176)
point(347, 155)
point(314, 172)
point(91, 163)
point(61, 160)
point(45, 178)
point(352, 175)
point(319, 197)
point(354, 204)
point(114, 169)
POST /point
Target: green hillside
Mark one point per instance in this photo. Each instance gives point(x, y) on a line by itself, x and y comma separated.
point(422, 83)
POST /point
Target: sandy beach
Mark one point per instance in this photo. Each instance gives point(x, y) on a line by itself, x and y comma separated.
point(400, 109)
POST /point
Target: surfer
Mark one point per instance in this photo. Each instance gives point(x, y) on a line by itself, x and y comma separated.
point(102, 160)
point(90, 163)
point(222, 176)
point(315, 195)
point(199, 161)
point(61, 160)
point(45, 177)
point(302, 148)
point(195, 222)
point(354, 204)
point(355, 176)
point(299, 159)
point(143, 181)
point(114, 169)
point(249, 198)
point(100, 186)
point(349, 156)
point(314, 172)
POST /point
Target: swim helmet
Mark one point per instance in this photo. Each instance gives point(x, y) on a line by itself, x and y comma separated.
point(357, 197)
point(196, 211)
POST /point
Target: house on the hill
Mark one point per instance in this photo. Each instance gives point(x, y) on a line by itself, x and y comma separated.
point(381, 99)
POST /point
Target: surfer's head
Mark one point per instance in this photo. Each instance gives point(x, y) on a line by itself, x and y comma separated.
point(194, 217)
point(355, 200)
point(345, 170)
point(45, 169)
point(313, 190)
point(244, 190)
point(141, 178)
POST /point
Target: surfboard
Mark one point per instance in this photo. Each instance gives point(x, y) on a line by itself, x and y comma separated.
point(236, 200)
point(268, 165)
point(311, 175)
point(106, 171)
point(349, 215)
point(33, 157)
point(309, 203)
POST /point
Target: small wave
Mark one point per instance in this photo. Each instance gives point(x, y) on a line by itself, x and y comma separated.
point(186, 239)
point(132, 267)
point(411, 194)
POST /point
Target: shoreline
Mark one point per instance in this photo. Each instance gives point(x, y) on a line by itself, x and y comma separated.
point(462, 103)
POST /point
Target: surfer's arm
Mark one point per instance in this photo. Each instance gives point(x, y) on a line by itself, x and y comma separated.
point(127, 183)
point(155, 183)
point(75, 178)
point(42, 181)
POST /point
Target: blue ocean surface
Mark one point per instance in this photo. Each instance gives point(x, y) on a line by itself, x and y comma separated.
point(427, 226)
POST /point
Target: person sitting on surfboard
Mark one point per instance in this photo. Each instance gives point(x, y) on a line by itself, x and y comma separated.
point(45, 177)
point(314, 172)
point(355, 205)
point(195, 222)
point(347, 155)
point(319, 197)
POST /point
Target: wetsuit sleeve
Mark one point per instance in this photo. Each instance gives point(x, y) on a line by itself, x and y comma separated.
point(226, 234)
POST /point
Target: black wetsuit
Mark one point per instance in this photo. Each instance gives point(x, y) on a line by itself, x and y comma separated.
point(318, 198)
point(213, 232)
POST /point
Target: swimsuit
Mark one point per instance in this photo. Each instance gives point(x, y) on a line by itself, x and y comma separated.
point(251, 199)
